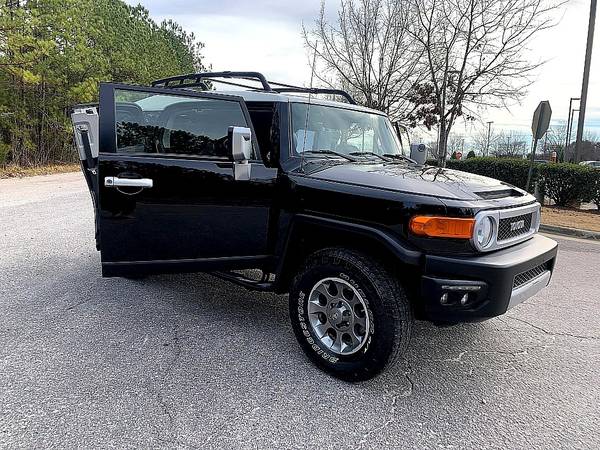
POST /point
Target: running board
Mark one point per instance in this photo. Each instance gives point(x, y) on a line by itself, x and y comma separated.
point(248, 283)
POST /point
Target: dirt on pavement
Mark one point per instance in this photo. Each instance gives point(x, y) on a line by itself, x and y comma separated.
point(12, 171)
point(571, 218)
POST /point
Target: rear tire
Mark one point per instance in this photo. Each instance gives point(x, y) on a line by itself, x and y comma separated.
point(350, 314)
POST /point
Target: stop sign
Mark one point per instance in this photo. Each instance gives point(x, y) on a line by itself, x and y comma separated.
point(541, 119)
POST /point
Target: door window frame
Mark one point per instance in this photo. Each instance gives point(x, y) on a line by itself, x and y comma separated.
point(108, 125)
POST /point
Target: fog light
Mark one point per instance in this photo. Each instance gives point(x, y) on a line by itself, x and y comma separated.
point(444, 299)
point(464, 299)
point(461, 287)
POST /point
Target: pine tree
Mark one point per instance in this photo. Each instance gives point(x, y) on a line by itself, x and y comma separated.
point(53, 53)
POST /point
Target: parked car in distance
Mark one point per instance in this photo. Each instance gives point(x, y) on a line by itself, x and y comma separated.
point(320, 196)
point(592, 164)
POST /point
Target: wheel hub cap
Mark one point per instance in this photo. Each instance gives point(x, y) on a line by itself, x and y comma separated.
point(338, 316)
point(341, 315)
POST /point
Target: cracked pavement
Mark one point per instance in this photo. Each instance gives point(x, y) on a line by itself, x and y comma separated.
point(190, 361)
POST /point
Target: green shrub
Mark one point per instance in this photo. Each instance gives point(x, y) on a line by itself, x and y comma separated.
point(567, 183)
point(511, 171)
point(564, 183)
point(471, 154)
point(593, 194)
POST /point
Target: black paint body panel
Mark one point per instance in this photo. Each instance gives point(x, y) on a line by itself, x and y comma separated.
point(496, 271)
point(194, 210)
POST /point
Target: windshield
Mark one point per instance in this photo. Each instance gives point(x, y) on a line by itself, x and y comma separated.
point(343, 131)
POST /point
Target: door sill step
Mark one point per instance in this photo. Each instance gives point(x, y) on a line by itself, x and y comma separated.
point(248, 283)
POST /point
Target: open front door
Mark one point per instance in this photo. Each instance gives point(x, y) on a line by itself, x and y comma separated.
point(168, 200)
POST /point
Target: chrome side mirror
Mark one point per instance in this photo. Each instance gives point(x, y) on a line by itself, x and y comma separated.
point(240, 141)
point(418, 153)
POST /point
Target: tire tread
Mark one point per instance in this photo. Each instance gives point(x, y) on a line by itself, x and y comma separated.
point(387, 286)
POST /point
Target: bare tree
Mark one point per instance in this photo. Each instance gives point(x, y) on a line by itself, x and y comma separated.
point(554, 141)
point(556, 135)
point(476, 52)
point(555, 138)
point(456, 143)
point(480, 140)
point(510, 144)
point(368, 51)
point(432, 150)
point(590, 148)
point(591, 136)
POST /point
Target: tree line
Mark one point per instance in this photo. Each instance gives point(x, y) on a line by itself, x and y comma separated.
point(431, 62)
point(53, 53)
point(516, 143)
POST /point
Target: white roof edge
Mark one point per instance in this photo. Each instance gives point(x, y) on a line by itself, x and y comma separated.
point(258, 96)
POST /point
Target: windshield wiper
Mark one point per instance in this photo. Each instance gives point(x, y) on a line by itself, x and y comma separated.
point(396, 156)
point(330, 152)
point(368, 154)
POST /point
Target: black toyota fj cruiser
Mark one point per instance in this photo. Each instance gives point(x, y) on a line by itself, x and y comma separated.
point(320, 196)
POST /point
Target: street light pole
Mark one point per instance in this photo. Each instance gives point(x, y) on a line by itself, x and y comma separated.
point(586, 78)
point(487, 146)
point(570, 130)
point(569, 121)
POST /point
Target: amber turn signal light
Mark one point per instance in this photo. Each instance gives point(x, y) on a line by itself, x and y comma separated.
point(442, 227)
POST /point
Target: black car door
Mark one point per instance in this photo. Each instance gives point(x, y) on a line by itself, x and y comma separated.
point(168, 200)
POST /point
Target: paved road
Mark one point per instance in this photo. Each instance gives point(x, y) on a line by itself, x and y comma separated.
point(191, 361)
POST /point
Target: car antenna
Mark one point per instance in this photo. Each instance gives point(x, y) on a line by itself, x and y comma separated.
point(312, 75)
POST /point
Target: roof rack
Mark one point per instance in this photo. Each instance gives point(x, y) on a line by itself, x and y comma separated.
point(196, 79)
point(200, 80)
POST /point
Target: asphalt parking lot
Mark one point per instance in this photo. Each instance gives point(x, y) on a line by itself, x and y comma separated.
point(191, 361)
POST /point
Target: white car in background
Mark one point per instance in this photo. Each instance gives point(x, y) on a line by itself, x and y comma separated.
point(592, 164)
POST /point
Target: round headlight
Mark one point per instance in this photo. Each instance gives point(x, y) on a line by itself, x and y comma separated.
point(484, 231)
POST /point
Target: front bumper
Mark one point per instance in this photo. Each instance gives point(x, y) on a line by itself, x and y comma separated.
point(493, 282)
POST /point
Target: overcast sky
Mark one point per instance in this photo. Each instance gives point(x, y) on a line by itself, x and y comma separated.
point(264, 35)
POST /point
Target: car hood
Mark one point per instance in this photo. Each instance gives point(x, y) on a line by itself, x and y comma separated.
point(415, 179)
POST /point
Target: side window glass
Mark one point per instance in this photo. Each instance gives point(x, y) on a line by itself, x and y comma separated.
point(172, 124)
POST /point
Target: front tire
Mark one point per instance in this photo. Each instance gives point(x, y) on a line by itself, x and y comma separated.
point(349, 314)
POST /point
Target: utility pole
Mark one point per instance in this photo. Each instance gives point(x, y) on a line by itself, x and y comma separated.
point(586, 78)
point(487, 145)
point(569, 118)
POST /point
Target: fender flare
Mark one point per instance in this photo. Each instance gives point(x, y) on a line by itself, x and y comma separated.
point(404, 252)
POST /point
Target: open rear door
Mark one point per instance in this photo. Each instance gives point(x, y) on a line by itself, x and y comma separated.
point(166, 194)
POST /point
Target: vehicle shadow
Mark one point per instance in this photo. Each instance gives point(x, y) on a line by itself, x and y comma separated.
point(218, 310)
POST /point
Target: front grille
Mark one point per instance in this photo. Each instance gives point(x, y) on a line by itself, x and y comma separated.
point(529, 275)
point(505, 227)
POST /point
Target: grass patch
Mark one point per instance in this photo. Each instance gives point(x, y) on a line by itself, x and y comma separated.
point(12, 171)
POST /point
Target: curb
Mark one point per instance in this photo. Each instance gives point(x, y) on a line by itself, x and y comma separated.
point(575, 232)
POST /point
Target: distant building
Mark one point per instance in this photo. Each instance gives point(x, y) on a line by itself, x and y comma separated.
point(590, 151)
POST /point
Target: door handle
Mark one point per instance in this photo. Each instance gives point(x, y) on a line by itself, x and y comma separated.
point(128, 182)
